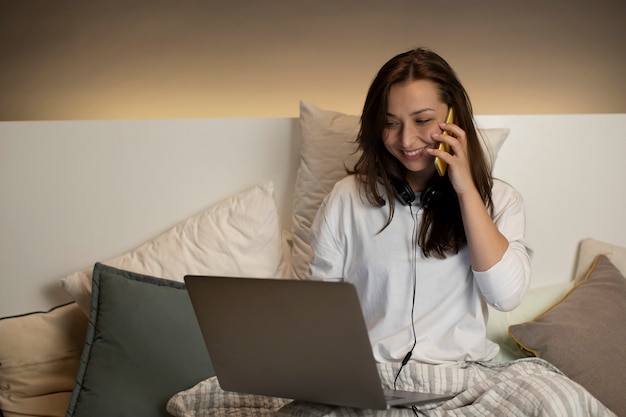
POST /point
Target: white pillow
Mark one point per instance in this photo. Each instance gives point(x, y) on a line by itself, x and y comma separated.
point(590, 248)
point(240, 236)
point(328, 146)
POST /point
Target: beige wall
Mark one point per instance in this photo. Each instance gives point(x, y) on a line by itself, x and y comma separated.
point(194, 59)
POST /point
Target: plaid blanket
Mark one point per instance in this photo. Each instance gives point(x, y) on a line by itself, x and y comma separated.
point(526, 387)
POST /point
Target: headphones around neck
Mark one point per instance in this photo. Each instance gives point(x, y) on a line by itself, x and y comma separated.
point(428, 198)
point(403, 191)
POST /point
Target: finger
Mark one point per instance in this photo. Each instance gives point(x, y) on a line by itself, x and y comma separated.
point(445, 156)
point(452, 129)
point(441, 138)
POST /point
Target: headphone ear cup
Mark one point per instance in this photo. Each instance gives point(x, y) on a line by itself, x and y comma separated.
point(437, 195)
point(403, 191)
point(430, 196)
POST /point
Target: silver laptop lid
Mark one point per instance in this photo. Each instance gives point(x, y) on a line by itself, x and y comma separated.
point(302, 340)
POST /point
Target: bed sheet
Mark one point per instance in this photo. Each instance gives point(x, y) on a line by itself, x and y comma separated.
point(527, 387)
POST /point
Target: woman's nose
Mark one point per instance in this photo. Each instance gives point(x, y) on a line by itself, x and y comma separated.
point(408, 134)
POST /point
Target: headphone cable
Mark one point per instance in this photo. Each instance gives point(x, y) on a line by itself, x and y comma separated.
point(407, 357)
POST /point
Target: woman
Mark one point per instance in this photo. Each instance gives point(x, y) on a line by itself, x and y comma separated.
point(426, 252)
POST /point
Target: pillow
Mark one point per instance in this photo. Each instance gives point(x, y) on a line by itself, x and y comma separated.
point(143, 345)
point(39, 355)
point(228, 238)
point(590, 248)
point(537, 300)
point(328, 147)
point(584, 334)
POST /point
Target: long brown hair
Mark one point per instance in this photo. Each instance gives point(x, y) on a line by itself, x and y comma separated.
point(442, 228)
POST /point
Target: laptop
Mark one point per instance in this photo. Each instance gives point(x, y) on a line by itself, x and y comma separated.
point(300, 340)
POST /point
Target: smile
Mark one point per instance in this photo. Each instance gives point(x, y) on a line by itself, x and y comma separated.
point(415, 152)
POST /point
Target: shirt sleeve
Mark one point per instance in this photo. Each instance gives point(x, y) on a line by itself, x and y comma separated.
point(327, 259)
point(504, 285)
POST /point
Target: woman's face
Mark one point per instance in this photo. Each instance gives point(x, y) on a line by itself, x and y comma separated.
point(413, 114)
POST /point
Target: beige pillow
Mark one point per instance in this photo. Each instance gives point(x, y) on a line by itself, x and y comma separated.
point(584, 334)
point(534, 303)
point(39, 356)
point(327, 148)
point(240, 236)
point(590, 248)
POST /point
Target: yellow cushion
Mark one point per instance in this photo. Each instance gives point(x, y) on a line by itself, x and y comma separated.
point(39, 357)
point(590, 248)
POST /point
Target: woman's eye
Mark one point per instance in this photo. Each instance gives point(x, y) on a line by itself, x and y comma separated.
point(390, 124)
point(422, 121)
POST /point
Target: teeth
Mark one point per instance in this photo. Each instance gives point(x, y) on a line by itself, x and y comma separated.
point(413, 153)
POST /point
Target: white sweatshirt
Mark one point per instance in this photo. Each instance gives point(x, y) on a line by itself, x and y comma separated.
point(450, 314)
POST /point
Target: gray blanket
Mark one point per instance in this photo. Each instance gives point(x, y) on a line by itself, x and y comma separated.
point(526, 387)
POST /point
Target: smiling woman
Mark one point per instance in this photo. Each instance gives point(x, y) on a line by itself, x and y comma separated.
point(447, 259)
point(415, 112)
point(158, 59)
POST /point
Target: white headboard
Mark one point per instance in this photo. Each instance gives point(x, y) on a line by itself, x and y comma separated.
point(75, 192)
point(570, 171)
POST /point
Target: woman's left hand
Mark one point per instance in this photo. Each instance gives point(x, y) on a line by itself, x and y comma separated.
point(460, 173)
point(485, 242)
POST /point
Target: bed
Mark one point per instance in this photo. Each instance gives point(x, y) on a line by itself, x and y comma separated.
point(100, 221)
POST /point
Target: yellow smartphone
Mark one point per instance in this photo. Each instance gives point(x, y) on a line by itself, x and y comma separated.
point(440, 164)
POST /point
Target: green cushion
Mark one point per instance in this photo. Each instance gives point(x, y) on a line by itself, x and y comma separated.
point(143, 345)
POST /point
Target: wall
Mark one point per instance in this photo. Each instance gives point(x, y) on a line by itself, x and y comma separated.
point(196, 59)
point(76, 192)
